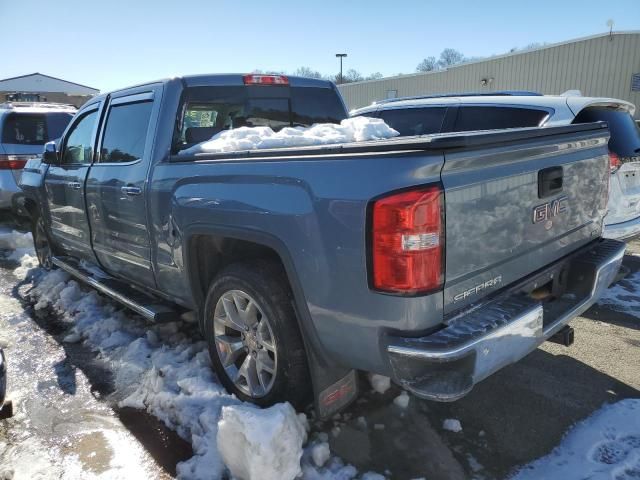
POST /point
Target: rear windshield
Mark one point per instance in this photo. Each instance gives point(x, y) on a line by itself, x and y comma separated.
point(208, 111)
point(625, 133)
point(34, 128)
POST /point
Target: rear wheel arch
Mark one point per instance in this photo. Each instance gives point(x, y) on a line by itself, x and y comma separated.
point(207, 251)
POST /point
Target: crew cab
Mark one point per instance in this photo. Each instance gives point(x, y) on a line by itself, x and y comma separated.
point(515, 109)
point(435, 260)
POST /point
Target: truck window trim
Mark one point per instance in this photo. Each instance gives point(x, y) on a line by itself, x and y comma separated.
point(146, 97)
point(93, 108)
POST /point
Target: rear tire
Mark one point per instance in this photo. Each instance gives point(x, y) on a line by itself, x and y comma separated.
point(41, 242)
point(254, 341)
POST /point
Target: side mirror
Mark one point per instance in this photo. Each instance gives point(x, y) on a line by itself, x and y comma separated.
point(50, 155)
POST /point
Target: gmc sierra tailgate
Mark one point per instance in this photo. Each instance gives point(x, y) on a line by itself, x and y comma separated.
point(518, 204)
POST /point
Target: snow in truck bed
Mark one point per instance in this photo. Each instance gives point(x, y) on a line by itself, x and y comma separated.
point(358, 129)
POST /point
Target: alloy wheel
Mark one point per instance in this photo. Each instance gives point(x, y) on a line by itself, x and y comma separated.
point(245, 343)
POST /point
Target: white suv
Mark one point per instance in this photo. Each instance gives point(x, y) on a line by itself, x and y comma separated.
point(24, 129)
point(465, 112)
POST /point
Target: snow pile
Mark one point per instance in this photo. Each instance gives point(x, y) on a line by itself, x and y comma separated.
point(379, 383)
point(604, 446)
point(261, 444)
point(402, 400)
point(14, 240)
point(452, 424)
point(357, 129)
point(20, 246)
point(624, 296)
point(165, 370)
point(158, 368)
point(320, 453)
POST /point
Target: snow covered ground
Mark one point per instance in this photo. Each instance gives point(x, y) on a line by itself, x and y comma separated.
point(164, 370)
point(358, 129)
point(624, 296)
point(606, 446)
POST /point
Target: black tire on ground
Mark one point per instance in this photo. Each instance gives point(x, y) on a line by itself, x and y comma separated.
point(41, 242)
point(267, 284)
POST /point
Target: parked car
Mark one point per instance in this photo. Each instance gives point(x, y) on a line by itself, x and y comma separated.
point(435, 260)
point(465, 112)
point(24, 129)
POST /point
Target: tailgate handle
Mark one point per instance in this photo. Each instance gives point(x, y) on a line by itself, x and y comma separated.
point(549, 181)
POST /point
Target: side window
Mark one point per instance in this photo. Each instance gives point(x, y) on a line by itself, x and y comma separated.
point(491, 118)
point(415, 121)
point(79, 143)
point(126, 132)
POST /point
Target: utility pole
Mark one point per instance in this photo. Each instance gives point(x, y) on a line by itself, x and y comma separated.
point(341, 56)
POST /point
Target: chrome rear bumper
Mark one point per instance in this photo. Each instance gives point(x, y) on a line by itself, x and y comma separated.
point(445, 365)
point(624, 230)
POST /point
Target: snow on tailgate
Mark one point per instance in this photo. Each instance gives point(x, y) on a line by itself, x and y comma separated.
point(358, 129)
point(165, 370)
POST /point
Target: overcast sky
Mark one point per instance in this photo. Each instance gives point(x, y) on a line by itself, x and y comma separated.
point(116, 43)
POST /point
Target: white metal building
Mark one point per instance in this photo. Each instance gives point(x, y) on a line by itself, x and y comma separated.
point(36, 87)
point(606, 65)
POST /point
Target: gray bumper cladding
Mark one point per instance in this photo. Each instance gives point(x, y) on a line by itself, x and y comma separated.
point(445, 365)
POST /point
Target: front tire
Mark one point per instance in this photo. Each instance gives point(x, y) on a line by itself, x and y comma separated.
point(41, 243)
point(254, 342)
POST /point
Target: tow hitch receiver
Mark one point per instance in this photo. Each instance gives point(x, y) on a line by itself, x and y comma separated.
point(563, 337)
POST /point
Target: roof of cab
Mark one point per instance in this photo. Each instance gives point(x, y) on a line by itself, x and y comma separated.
point(217, 79)
point(237, 79)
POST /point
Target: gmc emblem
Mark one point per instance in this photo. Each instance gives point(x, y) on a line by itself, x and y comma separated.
point(551, 209)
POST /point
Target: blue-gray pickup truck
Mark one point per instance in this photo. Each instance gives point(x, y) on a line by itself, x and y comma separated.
point(434, 260)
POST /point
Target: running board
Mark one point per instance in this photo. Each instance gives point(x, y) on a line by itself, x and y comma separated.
point(145, 305)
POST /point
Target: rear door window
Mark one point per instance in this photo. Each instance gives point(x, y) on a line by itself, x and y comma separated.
point(33, 128)
point(492, 118)
point(415, 121)
point(625, 133)
point(125, 133)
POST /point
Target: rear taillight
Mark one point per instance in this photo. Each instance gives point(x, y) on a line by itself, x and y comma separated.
point(407, 234)
point(14, 162)
point(614, 162)
point(257, 79)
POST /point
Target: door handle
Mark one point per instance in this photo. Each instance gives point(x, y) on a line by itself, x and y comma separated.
point(74, 185)
point(129, 190)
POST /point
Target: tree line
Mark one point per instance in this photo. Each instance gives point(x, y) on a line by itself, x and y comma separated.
point(448, 57)
point(349, 76)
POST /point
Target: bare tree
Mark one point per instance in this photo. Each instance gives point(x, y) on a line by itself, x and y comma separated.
point(353, 75)
point(374, 76)
point(349, 76)
point(449, 57)
point(531, 46)
point(429, 64)
point(268, 72)
point(307, 72)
